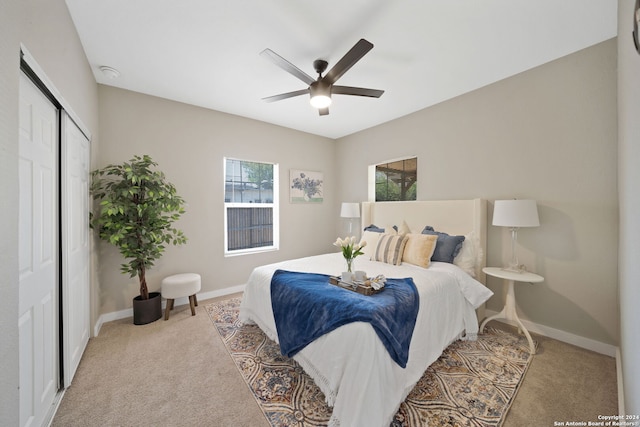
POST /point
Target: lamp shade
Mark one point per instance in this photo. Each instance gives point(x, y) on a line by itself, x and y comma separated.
point(350, 210)
point(515, 213)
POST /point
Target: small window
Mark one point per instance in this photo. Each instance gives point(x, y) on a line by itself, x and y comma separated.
point(250, 206)
point(396, 180)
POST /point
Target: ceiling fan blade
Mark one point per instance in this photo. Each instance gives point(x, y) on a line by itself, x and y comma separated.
point(359, 91)
point(287, 66)
point(323, 111)
point(359, 50)
point(286, 95)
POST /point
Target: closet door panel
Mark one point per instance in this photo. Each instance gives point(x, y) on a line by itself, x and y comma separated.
point(75, 245)
point(38, 242)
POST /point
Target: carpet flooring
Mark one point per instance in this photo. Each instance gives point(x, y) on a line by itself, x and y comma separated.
point(179, 373)
point(472, 384)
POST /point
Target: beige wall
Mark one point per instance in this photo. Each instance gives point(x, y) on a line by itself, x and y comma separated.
point(9, 66)
point(46, 29)
point(548, 134)
point(629, 177)
point(189, 143)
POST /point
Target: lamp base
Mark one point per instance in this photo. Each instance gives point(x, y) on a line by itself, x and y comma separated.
point(515, 269)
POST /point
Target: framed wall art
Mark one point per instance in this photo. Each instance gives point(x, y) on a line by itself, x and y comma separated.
point(305, 186)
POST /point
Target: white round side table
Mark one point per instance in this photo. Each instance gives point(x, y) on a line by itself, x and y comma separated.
point(509, 310)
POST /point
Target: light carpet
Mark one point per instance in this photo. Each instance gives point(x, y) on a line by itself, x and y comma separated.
point(473, 383)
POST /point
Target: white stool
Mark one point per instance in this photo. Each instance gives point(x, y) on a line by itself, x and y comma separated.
point(180, 285)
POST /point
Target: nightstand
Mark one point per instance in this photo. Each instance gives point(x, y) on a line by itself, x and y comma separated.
point(509, 310)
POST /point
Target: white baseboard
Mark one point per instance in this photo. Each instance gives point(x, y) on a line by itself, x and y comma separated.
point(123, 314)
point(587, 343)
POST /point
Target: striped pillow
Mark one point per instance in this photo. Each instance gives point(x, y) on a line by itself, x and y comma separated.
point(389, 249)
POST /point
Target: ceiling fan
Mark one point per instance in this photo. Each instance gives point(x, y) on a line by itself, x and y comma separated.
point(322, 88)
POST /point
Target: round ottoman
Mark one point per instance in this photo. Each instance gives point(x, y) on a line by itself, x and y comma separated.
point(178, 286)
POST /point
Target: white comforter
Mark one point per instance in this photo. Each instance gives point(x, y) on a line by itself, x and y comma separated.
point(351, 365)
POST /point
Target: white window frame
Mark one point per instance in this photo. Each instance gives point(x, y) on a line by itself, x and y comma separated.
point(275, 206)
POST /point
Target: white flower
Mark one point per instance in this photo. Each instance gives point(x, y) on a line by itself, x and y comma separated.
point(350, 249)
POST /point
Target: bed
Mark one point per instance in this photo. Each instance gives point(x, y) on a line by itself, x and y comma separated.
point(350, 364)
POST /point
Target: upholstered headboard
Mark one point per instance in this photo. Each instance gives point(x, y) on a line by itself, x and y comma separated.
point(459, 217)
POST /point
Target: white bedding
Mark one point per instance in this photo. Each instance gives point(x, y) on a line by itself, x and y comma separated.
point(351, 365)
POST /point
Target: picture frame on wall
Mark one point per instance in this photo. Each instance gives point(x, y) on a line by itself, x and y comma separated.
point(306, 186)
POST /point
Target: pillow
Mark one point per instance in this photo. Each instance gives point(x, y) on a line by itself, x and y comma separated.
point(419, 249)
point(374, 228)
point(447, 247)
point(371, 237)
point(389, 229)
point(389, 249)
point(404, 229)
point(470, 255)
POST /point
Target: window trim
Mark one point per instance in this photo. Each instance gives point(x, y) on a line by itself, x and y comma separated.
point(275, 206)
point(371, 176)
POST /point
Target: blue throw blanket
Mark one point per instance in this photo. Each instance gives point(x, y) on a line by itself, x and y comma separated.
point(306, 306)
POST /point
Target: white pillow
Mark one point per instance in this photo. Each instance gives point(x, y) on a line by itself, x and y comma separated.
point(371, 238)
point(403, 229)
point(388, 229)
point(470, 254)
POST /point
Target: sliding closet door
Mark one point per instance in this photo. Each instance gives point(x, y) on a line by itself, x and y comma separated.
point(38, 254)
point(75, 245)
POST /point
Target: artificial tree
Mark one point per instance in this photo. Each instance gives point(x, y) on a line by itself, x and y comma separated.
point(136, 212)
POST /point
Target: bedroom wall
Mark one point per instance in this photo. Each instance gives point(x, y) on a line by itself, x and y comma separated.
point(629, 177)
point(548, 134)
point(9, 66)
point(189, 144)
point(46, 30)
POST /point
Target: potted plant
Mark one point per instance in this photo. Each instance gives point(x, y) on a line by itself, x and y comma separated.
point(136, 211)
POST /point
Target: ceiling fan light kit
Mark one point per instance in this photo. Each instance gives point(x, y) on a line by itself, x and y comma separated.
point(320, 94)
point(322, 88)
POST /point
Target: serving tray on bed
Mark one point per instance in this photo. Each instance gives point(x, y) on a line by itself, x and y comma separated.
point(359, 287)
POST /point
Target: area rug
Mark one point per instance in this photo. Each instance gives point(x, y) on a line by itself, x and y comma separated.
point(473, 383)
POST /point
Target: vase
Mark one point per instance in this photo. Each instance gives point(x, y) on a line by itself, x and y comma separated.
point(349, 264)
point(147, 310)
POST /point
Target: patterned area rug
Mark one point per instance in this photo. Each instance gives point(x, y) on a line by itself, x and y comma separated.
point(473, 383)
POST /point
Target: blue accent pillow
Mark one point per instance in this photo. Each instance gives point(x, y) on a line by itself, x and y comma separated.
point(447, 247)
point(374, 229)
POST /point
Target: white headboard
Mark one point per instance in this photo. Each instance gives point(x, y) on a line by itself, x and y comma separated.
point(458, 217)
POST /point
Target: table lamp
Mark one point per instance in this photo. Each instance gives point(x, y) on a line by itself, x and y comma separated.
point(350, 210)
point(515, 214)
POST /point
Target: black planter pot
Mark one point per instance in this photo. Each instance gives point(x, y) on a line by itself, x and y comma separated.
point(147, 310)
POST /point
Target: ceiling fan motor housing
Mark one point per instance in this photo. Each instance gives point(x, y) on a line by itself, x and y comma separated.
point(320, 65)
point(319, 88)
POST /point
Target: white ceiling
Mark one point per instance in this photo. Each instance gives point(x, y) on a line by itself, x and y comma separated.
point(206, 52)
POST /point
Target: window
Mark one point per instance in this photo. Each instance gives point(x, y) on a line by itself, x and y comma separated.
point(250, 206)
point(396, 180)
